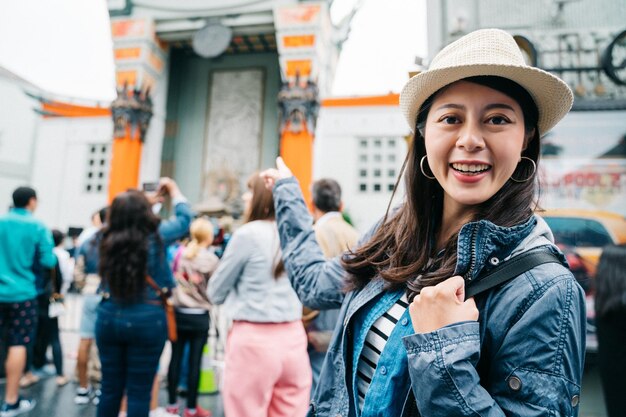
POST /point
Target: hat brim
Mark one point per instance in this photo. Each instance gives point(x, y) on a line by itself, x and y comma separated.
point(552, 96)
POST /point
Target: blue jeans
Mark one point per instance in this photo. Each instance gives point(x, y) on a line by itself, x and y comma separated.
point(130, 339)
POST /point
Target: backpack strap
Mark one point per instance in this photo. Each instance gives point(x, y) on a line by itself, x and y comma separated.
point(509, 270)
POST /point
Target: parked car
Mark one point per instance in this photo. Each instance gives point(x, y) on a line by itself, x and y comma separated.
point(586, 231)
point(579, 268)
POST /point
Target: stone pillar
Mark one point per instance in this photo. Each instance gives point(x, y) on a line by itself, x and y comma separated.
point(131, 111)
point(307, 60)
point(299, 107)
point(140, 61)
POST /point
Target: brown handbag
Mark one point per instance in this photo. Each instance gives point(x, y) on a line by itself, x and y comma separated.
point(308, 315)
point(170, 316)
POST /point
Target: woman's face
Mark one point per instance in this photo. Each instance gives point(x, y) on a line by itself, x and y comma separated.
point(474, 138)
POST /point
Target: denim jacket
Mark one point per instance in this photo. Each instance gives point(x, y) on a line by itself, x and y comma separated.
point(169, 231)
point(523, 357)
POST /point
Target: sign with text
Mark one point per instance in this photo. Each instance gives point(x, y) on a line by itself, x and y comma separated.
point(584, 163)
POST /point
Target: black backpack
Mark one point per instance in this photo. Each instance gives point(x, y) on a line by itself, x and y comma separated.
point(510, 269)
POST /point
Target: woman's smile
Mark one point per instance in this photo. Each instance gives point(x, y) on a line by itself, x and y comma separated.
point(470, 171)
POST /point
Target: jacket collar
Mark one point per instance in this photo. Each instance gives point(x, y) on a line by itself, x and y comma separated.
point(21, 211)
point(371, 290)
point(483, 243)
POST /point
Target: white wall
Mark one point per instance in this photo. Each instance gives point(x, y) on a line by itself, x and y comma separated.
point(60, 167)
point(336, 146)
point(51, 155)
point(18, 127)
point(150, 168)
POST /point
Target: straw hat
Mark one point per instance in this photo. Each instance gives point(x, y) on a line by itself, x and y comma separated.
point(488, 52)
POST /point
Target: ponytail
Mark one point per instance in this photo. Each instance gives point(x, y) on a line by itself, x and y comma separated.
point(201, 230)
point(192, 249)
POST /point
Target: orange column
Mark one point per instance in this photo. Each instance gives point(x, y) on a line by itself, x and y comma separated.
point(125, 162)
point(296, 150)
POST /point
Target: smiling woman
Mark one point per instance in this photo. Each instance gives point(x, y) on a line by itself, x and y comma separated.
point(411, 343)
point(475, 134)
point(474, 157)
point(474, 146)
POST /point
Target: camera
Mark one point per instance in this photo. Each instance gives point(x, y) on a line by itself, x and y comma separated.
point(150, 187)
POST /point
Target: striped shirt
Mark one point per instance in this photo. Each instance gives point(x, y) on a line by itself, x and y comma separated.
point(375, 342)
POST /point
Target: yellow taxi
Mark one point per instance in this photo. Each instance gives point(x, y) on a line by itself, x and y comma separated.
point(587, 231)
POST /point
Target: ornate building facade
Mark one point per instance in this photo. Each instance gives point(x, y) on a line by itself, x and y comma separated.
point(208, 93)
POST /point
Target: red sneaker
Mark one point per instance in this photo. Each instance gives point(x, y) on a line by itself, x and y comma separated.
point(200, 412)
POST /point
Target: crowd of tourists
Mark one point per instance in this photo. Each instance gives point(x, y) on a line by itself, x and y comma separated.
point(457, 302)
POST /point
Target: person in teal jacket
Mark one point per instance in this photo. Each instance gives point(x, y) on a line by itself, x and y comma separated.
point(24, 241)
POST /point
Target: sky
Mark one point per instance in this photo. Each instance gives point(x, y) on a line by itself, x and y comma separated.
point(40, 45)
point(386, 37)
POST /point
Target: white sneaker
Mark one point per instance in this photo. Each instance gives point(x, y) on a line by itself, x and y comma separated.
point(95, 396)
point(83, 396)
point(162, 412)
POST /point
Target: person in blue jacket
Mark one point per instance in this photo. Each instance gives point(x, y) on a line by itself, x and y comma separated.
point(408, 343)
point(131, 326)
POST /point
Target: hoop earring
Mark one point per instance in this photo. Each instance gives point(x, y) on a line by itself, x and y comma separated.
point(532, 173)
point(422, 168)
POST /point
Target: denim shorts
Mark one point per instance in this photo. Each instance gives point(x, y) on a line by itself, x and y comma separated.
point(88, 320)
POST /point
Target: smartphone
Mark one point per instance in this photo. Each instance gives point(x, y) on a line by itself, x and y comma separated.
point(74, 231)
point(150, 186)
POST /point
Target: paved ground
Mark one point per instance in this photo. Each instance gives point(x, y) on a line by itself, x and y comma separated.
point(59, 402)
point(53, 401)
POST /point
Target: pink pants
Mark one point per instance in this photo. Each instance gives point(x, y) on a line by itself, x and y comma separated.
point(267, 371)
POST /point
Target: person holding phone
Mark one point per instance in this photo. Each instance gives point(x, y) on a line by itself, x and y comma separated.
point(150, 187)
point(131, 325)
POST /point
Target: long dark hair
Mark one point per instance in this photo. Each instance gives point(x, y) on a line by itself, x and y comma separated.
point(403, 244)
point(611, 280)
point(124, 245)
point(262, 208)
